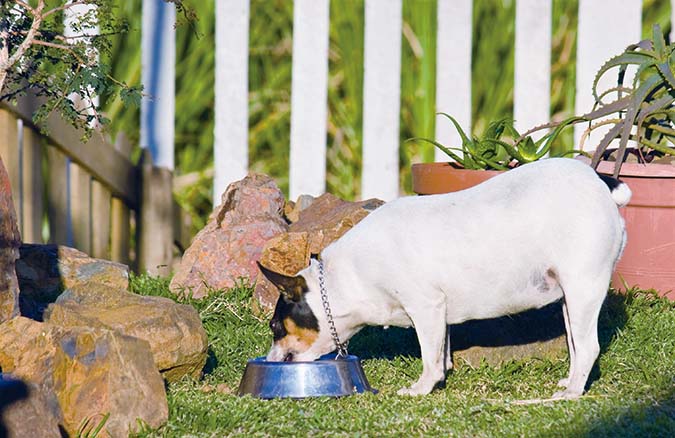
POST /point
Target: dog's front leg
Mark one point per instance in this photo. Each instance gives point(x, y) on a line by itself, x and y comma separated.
point(431, 332)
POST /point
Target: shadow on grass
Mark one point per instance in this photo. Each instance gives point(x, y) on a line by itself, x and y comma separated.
point(528, 327)
point(211, 362)
point(613, 318)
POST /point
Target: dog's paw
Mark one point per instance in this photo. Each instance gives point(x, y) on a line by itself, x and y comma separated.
point(564, 383)
point(409, 391)
point(418, 388)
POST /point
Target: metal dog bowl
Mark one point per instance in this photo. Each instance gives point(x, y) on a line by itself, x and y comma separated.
point(325, 376)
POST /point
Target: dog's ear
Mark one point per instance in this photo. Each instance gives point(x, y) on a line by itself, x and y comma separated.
point(292, 288)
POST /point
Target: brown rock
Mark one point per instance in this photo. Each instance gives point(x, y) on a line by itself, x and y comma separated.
point(320, 222)
point(9, 250)
point(232, 241)
point(287, 253)
point(90, 372)
point(25, 412)
point(174, 331)
point(44, 271)
point(329, 217)
point(292, 209)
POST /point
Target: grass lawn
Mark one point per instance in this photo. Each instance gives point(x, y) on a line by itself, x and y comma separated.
point(632, 391)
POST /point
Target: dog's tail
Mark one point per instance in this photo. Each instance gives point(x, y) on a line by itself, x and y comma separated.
point(618, 189)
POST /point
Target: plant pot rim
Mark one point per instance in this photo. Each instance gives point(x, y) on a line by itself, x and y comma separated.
point(640, 170)
point(444, 177)
point(439, 165)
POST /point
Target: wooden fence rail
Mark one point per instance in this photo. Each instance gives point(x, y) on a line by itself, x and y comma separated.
point(88, 195)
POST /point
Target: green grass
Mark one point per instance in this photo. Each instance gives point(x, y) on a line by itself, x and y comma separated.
point(632, 393)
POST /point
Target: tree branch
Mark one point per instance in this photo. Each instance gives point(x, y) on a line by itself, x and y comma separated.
point(64, 7)
point(30, 37)
point(25, 6)
point(60, 47)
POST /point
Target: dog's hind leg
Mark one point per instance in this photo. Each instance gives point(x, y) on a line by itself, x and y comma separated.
point(448, 350)
point(583, 301)
point(429, 322)
point(570, 346)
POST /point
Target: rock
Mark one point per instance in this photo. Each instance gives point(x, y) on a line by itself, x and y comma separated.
point(320, 222)
point(329, 217)
point(292, 209)
point(174, 331)
point(24, 411)
point(89, 372)
point(287, 253)
point(44, 271)
point(9, 250)
point(227, 248)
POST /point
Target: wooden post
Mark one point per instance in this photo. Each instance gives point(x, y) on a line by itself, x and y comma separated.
point(100, 220)
point(156, 219)
point(120, 231)
point(309, 98)
point(33, 187)
point(381, 98)
point(80, 207)
point(120, 225)
point(10, 143)
point(453, 70)
point(57, 199)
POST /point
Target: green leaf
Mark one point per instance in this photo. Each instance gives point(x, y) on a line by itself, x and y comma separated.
point(496, 129)
point(604, 143)
point(446, 150)
point(658, 41)
point(464, 137)
point(624, 59)
point(512, 151)
point(664, 69)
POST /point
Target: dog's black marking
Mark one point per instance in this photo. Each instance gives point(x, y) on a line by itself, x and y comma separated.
point(612, 183)
point(298, 311)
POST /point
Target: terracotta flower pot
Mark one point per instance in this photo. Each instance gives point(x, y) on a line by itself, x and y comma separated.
point(435, 178)
point(649, 258)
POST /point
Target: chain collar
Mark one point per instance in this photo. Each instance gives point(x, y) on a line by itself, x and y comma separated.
point(341, 348)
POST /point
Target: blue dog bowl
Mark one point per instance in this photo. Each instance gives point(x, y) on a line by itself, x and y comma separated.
point(326, 376)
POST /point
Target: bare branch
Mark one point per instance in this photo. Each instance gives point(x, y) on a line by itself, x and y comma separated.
point(25, 6)
point(64, 7)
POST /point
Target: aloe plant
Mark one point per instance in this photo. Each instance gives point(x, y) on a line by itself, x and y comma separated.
point(643, 111)
point(501, 146)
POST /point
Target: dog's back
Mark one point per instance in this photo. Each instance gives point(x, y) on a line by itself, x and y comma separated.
point(504, 246)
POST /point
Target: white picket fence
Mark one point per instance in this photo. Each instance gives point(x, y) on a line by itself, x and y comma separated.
point(605, 28)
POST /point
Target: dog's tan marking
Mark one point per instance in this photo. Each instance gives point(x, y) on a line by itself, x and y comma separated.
point(297, 339)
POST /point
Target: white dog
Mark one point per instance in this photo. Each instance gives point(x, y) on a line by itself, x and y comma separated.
point(533, 235)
